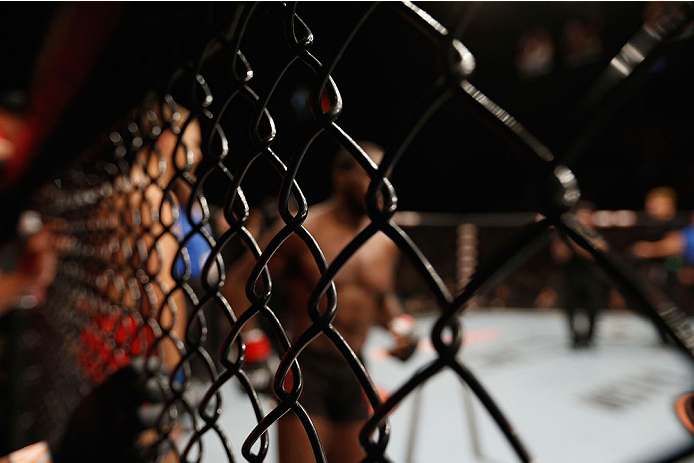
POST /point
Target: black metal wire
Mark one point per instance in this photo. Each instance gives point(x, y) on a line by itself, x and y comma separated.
point(113, 272)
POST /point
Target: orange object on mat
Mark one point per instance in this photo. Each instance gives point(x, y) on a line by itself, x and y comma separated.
point(684, 408)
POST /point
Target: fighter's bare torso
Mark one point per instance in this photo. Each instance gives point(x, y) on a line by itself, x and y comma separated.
point(361, 283)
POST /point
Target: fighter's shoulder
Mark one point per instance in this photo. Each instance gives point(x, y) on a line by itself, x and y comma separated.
point(387, 245)
point(318, 215)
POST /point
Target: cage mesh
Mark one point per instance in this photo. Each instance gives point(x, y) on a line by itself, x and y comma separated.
point(125, 287)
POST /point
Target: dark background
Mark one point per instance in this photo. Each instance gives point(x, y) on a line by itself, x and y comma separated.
point(454, 165)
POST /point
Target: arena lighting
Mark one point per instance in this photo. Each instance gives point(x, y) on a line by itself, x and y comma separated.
point(408, 218)
point(625, 218)
point(602, 219)
point(619, 218)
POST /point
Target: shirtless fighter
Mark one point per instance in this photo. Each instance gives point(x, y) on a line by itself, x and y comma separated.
point(365, 290)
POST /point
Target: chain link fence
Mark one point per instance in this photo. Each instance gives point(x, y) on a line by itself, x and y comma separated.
point(135, 220)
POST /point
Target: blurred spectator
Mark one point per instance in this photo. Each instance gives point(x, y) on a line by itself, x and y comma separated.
point(26, 283)
point(660, 205)
point(535, 54)
point(582, 42)
point(675, 243)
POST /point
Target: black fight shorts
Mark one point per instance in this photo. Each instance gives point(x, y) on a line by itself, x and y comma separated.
point(331, 390)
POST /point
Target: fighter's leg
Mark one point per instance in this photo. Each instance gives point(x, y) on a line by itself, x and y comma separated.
point(344, 444)
point(571, 308)
point(571, 314)
point(348, 410)
point(593, 307)
point(294, 445)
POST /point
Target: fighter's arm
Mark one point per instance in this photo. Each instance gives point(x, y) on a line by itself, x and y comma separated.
point(234, 289)
point(390, 314)
point(174, 311)
point(671, 245)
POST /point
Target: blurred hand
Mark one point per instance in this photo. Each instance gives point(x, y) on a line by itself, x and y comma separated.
point(405, 347)
point(641, 249)
point(402, 328)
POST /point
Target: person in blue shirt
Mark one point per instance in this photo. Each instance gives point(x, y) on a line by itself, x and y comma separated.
point(675, 243)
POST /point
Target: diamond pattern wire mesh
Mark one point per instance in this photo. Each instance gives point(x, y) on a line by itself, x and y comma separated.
point(125, 287)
